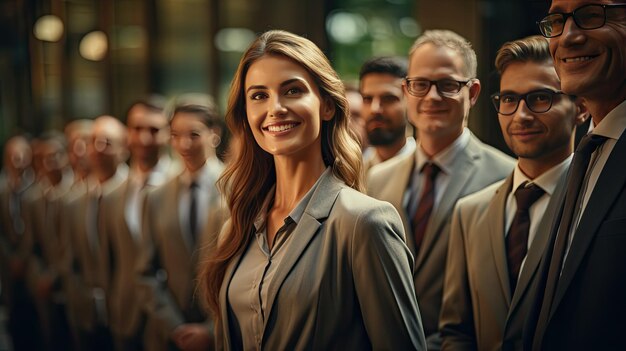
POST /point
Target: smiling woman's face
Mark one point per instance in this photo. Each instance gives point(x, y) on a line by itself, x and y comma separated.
point(284, 107)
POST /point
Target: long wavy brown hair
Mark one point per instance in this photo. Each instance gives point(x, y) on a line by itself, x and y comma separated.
point(251, 174)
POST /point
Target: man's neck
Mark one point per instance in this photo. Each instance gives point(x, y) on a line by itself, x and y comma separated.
point(434, 144)
point(386, 152)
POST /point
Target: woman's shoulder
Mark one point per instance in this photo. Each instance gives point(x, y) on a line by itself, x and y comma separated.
point(351, 202)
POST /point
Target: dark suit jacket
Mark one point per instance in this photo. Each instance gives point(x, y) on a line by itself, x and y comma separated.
point(345, 284)
point(481, 165)
point(588, 311)
point(478, 311)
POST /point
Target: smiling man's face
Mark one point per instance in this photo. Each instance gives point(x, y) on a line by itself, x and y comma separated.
point(590, 63)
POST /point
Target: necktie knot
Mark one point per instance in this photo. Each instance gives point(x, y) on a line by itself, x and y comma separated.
point(526, 195)
point(431, 170)
point(589, 143)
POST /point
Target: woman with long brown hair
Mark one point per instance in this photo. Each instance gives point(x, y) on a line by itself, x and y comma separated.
point(306, 260)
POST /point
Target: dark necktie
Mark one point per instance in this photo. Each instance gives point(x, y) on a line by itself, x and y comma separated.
point(426, 204)
point(517, 238)
point(193, 210)
point(580, 163)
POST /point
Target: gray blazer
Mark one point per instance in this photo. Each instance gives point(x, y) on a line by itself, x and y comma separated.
point(346, 283)
point(480, 165)
point(478, 311)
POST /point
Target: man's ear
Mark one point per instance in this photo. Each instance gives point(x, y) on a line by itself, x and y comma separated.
point(581, 111)
point(327, 110)
point(474, 91)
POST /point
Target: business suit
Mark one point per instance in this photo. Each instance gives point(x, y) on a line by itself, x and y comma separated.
point(169, 260)
point(125, 312)
point(479, 165)
point(344, 284)
point(587, 311)
point(86, 280)
point(15, 248)
point(45, 262)
point(479, 310)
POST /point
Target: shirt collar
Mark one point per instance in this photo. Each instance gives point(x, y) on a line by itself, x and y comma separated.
point(154, 177)
point(102, 189)
point(613, 124)
point(296, 214)
point(547, 181)
point(446, 157)
point(203, 177)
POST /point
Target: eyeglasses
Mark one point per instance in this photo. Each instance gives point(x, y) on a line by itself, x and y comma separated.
point(586, 17)
point(538, 101)
point(419, 87)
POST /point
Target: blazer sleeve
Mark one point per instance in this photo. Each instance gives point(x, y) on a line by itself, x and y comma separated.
point(382, 270)
point(456, 322)
point(158, 303)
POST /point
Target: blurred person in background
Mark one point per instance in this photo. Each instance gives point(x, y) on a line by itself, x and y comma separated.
point(150, 167)
point(14, 247)
point(180, 225)
point(356, 122)
point(384, 110)
point(86, 281)
point(47, 250)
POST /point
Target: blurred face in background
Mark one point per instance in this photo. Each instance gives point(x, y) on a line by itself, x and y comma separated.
point(107, 147)
point(17, 156)
point(55, 159)
point(192, 139)
point(148, 133)
point(383, 108)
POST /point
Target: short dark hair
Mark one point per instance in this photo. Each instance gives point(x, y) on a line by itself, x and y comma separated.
point(396, 66)
point(199, 104)
point(153, 102)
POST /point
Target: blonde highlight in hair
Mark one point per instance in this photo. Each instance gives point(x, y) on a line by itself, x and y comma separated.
point(534, 48)
point(251, 174)
point(449, 39)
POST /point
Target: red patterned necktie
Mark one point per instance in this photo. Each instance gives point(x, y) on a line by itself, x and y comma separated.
point(426, 204)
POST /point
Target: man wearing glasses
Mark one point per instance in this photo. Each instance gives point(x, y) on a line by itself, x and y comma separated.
point(579, 300)
point(499, 234)
point(449, 162)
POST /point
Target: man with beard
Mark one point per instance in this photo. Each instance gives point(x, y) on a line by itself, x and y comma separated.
point(384, 110)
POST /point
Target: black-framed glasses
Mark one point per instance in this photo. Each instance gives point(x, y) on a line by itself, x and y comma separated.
point(445, 87)
point(538, 101)
point(590, 16)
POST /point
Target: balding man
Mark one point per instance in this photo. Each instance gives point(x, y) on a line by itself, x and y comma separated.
point(86, 282)
point(14, 247)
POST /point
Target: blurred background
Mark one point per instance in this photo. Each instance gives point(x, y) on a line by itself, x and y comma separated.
point(66, 59)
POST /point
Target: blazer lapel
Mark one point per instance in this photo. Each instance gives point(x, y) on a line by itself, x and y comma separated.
point(316, 212)
point(496, 235)
point(464, 169)
point(537, 247)
point(608, 187)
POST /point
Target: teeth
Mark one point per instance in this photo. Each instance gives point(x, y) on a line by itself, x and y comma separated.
point(281, 128)
point(578, 59)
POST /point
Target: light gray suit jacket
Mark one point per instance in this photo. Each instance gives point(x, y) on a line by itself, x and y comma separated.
point(478, 311)
point(345, 283)
point(480, 166)
point(168, 262)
